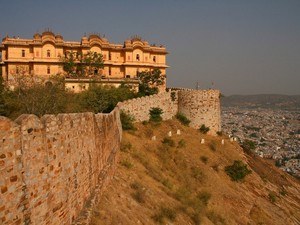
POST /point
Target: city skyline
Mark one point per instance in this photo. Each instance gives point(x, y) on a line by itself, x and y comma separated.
point(240, 47)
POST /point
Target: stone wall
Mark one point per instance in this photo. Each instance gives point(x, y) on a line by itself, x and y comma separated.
point(200, 106)
point(139, 107)
point(51, 166)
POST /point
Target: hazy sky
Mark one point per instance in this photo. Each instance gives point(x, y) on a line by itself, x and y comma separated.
point(242, 46)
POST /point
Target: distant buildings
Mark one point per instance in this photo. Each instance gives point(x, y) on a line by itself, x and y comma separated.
point(41, 56)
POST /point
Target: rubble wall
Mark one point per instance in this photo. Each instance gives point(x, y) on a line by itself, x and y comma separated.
point(50, 167)
point(139, 107)
point(201, 107)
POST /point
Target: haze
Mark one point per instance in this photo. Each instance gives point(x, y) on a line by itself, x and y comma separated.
point(242, 47)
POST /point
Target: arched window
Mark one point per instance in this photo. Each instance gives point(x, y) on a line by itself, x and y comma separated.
point(48, 53)
point(23, 53)
point(137, 57)
point(154, 58)
point(109, 56)
point(48, 70)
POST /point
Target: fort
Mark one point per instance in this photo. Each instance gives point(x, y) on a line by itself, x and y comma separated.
point(54, 168)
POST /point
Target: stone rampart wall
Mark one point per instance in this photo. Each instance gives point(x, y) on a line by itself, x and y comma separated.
point(200, 106)
point(139, 107)
point(51, 166)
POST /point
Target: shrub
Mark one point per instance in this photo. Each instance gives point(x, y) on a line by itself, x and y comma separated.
point(197, 173)
point(164, 212)
point(272, 197)
point(203, 129)
point(215, 218)
point(248, 146)
point(173, 96)
point(219, 133)
point(204, 159)
point(155, 114)
point(204, 197)
point(181, 144)
point(237, 171)
point(140, 194)
point(127, 121)
point(125, 147)
point(168, 141)
point(183, 119)
point(127, 163)
point(213, 146)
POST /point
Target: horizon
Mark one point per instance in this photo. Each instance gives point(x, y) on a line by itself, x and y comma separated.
point(240, 48)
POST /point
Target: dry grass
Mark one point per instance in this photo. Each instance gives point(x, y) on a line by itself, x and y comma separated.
point(180, 181)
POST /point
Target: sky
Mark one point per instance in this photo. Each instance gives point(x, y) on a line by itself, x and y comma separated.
point(237, 46)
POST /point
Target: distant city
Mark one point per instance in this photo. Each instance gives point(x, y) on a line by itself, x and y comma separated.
point(275, 130)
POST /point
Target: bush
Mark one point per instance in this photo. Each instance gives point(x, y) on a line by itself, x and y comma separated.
point(237, 171)
point(219, 133)
point(248, 146)
point(181, 143)
point(204, 197)
point(127, 121)
point(155, 115)
point(204, 159)
point(126, 163)
point(163, 213)
point(168, 141)
point(272, 197)
point(125, 147)
point(140, 194)
point(203, 129)
point(213, 146)
point(183, 119)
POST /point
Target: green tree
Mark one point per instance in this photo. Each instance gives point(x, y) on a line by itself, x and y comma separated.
point(155, 114)
point(80, 65)
point(69, 63)
point(149, 81)
point(92, 62)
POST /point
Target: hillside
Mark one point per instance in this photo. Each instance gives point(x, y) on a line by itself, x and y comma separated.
point(263, 100)
point(184, 182)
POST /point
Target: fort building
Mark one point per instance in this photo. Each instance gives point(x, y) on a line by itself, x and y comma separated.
point(41, 56)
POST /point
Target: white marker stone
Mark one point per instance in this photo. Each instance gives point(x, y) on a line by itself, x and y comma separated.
point(223, 142)
point(202, 141)
point(170, 134)
point(153, 138)
point(178, 132)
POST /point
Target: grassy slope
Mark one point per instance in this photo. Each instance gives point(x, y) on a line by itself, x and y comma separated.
point(156, 183)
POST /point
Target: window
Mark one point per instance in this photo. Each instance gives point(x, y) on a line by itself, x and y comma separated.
point(109, 56)
point(17, 70)
point(127, 76)
point(23, 53)
point(154, 58)
point(48, 70)
point(95, 71)
point(137, 57)
point(128, 57)
point(146, 58)
point(48, 53)
point(109, 71)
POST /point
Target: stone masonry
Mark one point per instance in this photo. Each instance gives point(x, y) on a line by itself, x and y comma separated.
point(51, 166)
point(200, 106)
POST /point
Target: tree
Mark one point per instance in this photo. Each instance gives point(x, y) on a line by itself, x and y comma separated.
point(92, 61)
point(80, 65)
point(149, 81)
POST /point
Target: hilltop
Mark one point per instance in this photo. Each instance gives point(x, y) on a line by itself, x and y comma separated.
point(178, 180)
point(263, 100)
